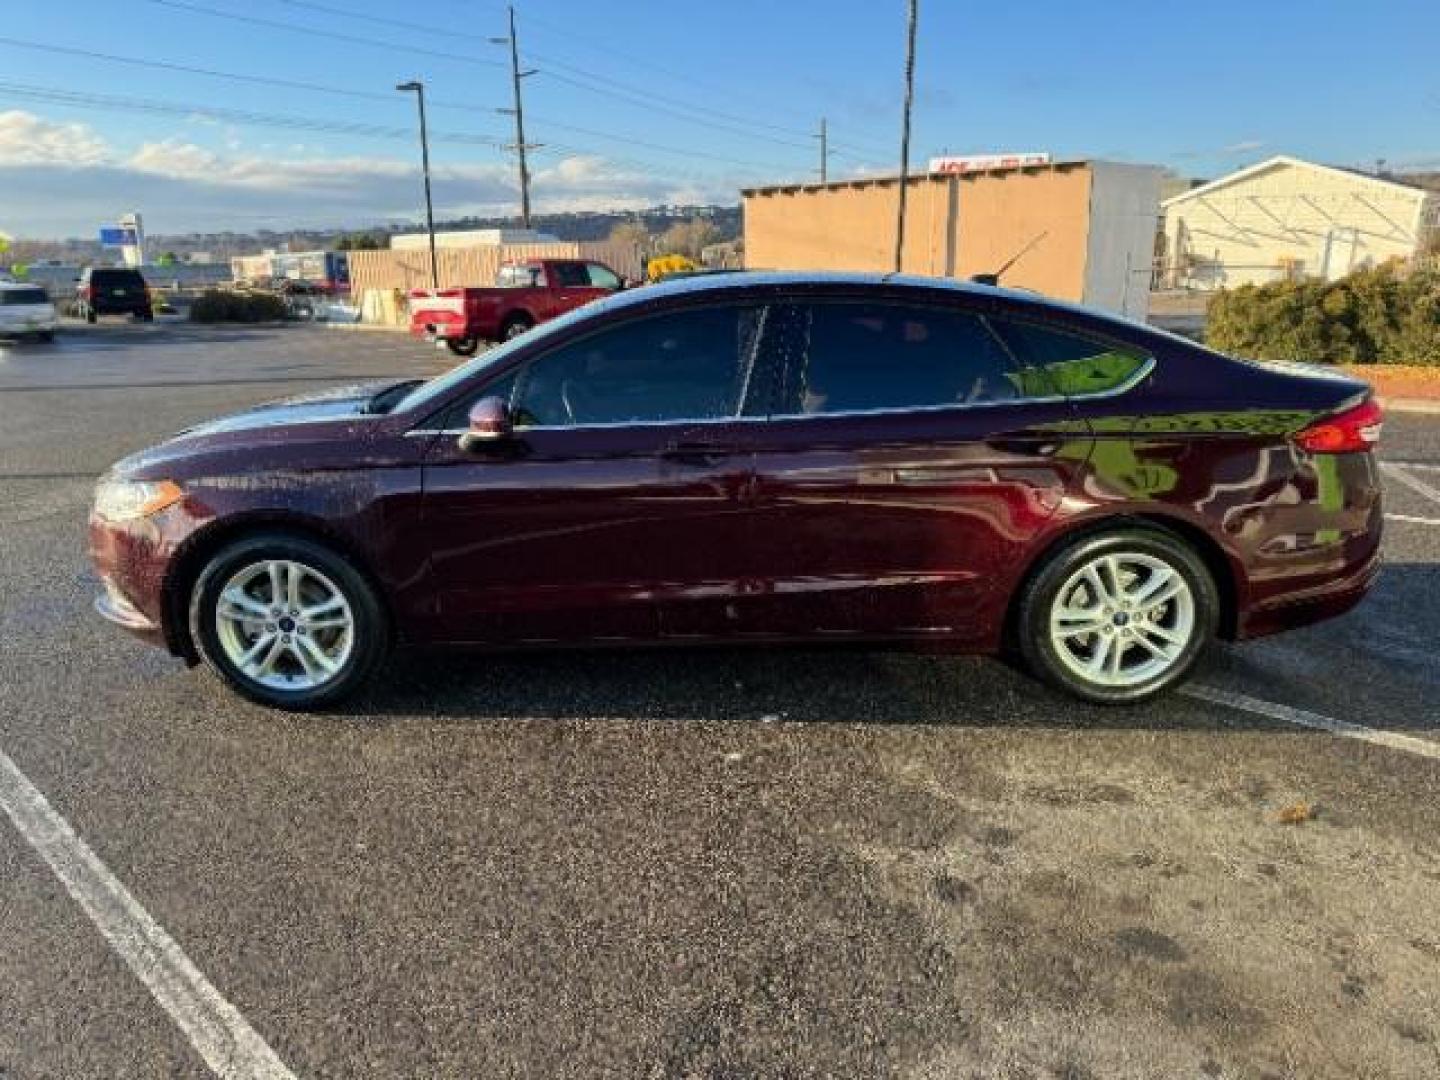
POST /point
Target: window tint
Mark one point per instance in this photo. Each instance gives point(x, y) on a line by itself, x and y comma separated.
point(570, 274)
point(1066, 363)
point(690, 365)
point(23, 296)
point(862, 356)
point(602, 277)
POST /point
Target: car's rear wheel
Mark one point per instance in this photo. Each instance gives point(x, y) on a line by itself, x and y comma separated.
point(515, 326)
point(287, 621)
point(90, 314)
point(1118, 616)
point(466, 346)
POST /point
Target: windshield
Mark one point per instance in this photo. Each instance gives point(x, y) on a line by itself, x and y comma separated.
point(434, 391)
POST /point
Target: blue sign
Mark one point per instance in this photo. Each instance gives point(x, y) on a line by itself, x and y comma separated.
point(117, 237)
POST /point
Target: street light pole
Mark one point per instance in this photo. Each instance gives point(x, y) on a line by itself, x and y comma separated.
point(419, 89)
point(905, 133)
point(519, 113)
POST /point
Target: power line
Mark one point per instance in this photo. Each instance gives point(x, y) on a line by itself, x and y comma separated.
point(364, 95)
point(355, 39)
point(81, 99)
point(645, 94)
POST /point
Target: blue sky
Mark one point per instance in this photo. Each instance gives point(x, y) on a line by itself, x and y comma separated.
point(679, 101)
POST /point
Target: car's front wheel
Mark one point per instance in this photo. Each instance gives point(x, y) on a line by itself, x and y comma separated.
point(287, 622)
point(466, 346)
point(1120, 616)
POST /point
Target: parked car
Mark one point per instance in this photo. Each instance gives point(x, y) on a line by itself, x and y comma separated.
point(763, 458)
point(26, 311)
point(112, 290)
point(525, 294)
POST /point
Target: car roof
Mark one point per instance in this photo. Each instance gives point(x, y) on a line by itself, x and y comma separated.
point(890, 284)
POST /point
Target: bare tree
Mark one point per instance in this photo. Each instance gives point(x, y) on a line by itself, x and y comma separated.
point(689, 237)
point(632, 233)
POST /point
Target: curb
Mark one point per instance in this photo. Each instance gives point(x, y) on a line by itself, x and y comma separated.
point(367, 327)
point(1419, 406)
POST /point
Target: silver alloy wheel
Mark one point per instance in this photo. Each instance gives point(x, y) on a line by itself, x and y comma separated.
point(284, 625)
point(1122, 619)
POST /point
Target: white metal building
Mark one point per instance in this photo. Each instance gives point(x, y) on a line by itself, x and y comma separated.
point(1290, 218)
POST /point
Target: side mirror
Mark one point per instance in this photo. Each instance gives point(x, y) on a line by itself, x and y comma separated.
point(489, 424)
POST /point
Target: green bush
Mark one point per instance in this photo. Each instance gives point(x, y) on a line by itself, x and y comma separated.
point(1382, 315)
point(223, 305)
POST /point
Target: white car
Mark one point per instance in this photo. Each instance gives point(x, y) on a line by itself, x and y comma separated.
point(26, 311)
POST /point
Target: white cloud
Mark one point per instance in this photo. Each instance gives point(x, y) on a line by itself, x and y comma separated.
point(63, 179)
point(1244, 146)
point(26, 139)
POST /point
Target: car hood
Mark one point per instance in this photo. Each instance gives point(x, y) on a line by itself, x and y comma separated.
point(258, 433)
point(337, 403)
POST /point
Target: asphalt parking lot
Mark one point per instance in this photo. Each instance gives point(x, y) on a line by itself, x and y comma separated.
point(700, 864)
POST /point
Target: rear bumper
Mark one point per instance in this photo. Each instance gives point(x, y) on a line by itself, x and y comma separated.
point(1316, 604)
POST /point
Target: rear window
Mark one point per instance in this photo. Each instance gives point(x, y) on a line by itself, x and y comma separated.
point(23, 296)
point(518, 277)
point(122, 278)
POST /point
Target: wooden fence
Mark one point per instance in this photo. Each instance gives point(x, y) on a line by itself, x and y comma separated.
point(410, 268)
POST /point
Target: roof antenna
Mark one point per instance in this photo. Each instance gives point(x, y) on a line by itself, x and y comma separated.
point(994, 279)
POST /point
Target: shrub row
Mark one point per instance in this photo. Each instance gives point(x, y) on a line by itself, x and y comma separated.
point(223, 305)
point(1383, 315)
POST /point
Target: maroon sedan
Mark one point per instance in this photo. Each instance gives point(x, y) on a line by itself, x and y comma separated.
point(763, 458)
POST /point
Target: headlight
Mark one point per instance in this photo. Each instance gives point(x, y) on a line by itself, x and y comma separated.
point(123, 500)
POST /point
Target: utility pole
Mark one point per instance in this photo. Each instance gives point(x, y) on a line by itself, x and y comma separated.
point(419, 90)
point(824, 151)
point(905, 132)
point(519, 113)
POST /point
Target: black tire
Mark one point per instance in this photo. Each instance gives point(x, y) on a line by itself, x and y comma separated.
point(514, 326)
point(90, 315)
point(1042, 590)
point(45, 337)
point(468, 346)
point(147, 316)
point(371, 629)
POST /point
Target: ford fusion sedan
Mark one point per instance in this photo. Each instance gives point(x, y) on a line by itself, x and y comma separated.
point(763, 458)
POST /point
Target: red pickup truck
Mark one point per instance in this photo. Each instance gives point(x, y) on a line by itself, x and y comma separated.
point(524, 294)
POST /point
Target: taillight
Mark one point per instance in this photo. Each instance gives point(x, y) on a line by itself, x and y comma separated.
point(1349, 432)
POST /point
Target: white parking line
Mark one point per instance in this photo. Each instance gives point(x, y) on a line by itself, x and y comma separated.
point(1414, 483)
point(229, 1045)
point(1412, 519)
point(1291, 715)
point(1423, 466)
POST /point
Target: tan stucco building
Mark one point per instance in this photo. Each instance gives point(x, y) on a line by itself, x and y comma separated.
point(1091, 223)
point(1290, 218)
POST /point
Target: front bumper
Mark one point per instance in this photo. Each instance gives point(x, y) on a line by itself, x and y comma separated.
point(132, 559)
point(112, 606)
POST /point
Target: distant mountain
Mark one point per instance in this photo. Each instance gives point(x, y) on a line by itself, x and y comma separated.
point(576, 225)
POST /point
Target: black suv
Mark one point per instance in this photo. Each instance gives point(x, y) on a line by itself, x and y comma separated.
point(112, 291)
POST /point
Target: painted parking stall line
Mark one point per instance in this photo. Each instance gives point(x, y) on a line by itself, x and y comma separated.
point(1412, 519)
point(1414, 483)
point(1304, 718)
point(215, 1028)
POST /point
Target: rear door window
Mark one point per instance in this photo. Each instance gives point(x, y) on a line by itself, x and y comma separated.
point(853, 356)
point(1059, 361)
